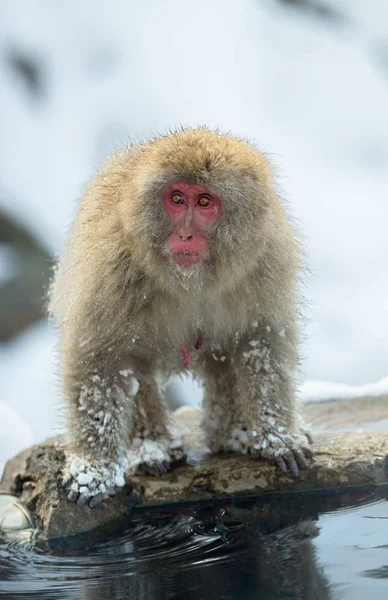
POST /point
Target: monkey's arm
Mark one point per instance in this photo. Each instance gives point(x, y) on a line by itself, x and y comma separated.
point(99, 409)
point(116, 420)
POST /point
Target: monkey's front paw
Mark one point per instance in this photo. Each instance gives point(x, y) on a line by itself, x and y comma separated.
point(288, 451)
point(154, 457)
point(90, 484)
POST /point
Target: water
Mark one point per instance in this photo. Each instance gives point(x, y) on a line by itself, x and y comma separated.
point(297, 546)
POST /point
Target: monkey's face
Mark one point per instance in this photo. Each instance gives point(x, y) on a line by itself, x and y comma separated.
point(192, 210)
point(197, 208)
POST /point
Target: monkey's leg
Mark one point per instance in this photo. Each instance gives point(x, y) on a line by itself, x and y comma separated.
point(250, 407)
point(266, 361)
point(155, 446)
point(100, 411)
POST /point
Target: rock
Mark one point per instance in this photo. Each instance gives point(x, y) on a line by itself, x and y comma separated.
point(341, 459)
point(35, 476)
point(21, 295)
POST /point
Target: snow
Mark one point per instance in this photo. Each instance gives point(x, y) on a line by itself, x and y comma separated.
point(15, 433)
point(310, 391)
point(28, 380)
point(324, 390)
point(153, 453)
point(87, 481)
point(310, 92)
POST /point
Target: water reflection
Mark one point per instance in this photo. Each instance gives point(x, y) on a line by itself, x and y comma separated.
point(265, 547)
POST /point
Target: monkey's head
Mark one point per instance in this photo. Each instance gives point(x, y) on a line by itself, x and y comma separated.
point(203, 206)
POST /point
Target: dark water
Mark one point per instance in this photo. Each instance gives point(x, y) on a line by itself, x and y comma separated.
point(283, 546)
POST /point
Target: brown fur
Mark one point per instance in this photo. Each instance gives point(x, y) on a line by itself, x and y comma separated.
point(121, 304)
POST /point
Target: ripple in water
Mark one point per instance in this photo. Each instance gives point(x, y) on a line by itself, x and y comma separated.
point(300, 546)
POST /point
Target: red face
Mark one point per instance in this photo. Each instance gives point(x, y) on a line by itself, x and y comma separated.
point(191, 208)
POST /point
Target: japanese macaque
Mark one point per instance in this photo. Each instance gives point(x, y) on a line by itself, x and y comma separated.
point(181, 257)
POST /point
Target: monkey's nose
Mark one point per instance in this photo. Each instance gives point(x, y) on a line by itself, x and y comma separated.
point(185, 237)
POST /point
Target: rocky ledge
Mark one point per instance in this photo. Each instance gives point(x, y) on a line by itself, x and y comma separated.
point(349, 450)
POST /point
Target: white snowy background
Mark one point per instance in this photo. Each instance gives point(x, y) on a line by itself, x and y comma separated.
point(309, 86)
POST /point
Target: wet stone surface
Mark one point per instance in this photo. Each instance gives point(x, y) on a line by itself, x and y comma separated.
point(340, 459)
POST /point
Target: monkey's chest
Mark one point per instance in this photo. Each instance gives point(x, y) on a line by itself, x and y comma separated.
point(180, 335)
point(180, 354)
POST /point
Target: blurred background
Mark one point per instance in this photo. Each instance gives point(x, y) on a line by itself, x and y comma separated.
point(306, 80)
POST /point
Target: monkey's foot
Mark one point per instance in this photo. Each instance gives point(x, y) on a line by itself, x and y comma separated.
point(154, 457)
point(288, 451)
point(91, 483)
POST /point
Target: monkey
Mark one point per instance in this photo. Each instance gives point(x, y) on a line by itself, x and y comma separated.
point(182, 256)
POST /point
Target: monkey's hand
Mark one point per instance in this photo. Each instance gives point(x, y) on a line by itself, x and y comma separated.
point(90, 483)
point(288, 451)
point(154, 457)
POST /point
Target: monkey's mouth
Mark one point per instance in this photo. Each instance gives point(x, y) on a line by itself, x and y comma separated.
point(186, 258)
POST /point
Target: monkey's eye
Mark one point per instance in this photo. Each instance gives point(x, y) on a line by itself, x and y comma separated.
point(203, 201)
point(176, 198)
